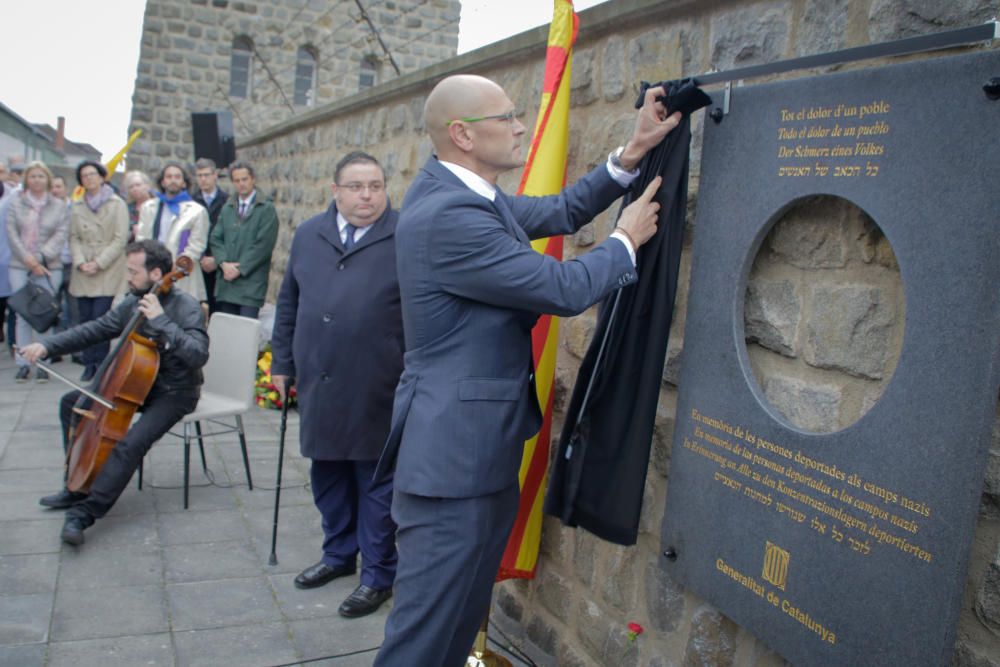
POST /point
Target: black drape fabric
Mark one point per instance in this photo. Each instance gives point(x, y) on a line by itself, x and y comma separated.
point(600, 469)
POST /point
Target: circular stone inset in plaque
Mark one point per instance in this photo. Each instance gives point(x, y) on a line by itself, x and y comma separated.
point(823, 314)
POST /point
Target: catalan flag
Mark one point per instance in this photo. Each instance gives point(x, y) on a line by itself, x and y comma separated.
point(544, 174)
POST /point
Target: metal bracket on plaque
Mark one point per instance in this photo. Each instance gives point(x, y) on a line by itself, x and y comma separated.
point(986, 32)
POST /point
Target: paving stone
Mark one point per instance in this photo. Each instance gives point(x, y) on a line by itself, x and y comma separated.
point(220, 603)
point(30, 537)
point(258, 645)
point(320, 637)
point(128, 531)
point(21, 457)
point(37, 480)
point(211, 560)
point(25, 655)
point(298, 604)
point(146, 650)
point(27, 574)
point(25, 618)
point(205, 497)
point(196, 525)
point(111, 612)
point(134, 502)
point(293, 493)
point(19, 506)
point(98, 565)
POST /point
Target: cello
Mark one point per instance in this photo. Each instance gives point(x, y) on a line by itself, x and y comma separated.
point(103, 413)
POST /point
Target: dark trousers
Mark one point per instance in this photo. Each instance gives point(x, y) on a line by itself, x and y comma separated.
point(159, 414)
point(90, 308)
point(449, 554)
point(70, 315)
point(209, 277)
point(356, 516)
point(237, 309)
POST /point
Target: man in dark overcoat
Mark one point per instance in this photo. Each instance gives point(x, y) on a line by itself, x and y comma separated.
point(338, 331)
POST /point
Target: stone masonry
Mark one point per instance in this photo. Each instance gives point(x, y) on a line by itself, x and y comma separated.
point(185, 60)
point(823, 258)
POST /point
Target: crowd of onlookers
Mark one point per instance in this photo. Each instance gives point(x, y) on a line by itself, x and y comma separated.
point(72, 242)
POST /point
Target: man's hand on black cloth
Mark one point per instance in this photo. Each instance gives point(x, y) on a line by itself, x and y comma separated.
point(653, 123)
point(638, 220)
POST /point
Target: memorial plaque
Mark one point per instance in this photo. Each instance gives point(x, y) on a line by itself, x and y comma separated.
point(850, 547)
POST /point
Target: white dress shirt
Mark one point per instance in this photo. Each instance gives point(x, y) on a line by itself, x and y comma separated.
point(342, 228)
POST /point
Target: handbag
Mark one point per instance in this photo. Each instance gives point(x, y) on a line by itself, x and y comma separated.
point(39, 308)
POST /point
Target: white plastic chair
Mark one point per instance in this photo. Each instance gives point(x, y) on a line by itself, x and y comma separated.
point(228, 391)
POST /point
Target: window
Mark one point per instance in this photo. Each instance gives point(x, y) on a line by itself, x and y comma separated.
point(240, 69)
point(369, 72)
point(305, 76)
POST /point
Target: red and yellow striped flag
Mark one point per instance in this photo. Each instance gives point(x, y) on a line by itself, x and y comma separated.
point(544, 174)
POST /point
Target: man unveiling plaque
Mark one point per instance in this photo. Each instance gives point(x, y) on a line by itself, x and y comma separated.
point(848, 547)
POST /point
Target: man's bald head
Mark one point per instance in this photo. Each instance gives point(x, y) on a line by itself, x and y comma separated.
point(472, 123)
point(459, 96)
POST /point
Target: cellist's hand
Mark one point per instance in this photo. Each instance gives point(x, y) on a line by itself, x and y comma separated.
point(33, 352)
point(150, 306)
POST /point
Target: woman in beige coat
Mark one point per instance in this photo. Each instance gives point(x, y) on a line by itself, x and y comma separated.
point(36, 232)
point(98, 233)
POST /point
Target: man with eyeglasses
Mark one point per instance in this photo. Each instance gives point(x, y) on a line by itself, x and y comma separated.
point(338, 331)
point(472, 289)
point(241, 243)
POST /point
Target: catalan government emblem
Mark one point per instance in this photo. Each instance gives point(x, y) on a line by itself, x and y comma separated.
point(775, 565)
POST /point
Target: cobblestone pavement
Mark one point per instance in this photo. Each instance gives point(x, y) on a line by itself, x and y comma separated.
point(155, 584)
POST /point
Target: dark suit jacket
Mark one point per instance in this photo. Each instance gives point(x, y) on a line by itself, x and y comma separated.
point(338, 330)
point(216, 206)
point(472, 288)
point(213, 216)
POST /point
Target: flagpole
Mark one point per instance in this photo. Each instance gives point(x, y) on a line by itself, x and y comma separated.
point(481, 656)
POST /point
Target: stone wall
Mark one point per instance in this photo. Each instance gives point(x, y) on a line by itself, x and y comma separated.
point(822, 255)
point(184, 62)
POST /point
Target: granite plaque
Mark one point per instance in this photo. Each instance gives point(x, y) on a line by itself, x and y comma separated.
point(849, 547)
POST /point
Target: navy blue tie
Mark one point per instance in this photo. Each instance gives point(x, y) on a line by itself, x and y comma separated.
point(349, 237)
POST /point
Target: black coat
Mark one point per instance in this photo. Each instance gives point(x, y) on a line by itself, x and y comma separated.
point(338, 330)
point(179, 334)
point(214, 210)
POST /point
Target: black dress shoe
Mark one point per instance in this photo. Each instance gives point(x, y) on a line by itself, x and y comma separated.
point(62, 500)
point(321, 574)
point(363, 601)
point(72, 532)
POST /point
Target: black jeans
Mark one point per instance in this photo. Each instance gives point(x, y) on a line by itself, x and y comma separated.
point(237, 309)
point(159, 414)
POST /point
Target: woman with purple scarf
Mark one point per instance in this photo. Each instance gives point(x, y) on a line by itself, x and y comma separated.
point(99, 228)
point(36, 227)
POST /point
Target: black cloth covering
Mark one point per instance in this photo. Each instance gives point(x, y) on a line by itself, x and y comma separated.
point(600, 469)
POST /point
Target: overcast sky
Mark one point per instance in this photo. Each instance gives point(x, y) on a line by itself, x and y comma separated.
point(53, 66)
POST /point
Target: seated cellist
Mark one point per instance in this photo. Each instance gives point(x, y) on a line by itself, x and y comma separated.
point(176, 324)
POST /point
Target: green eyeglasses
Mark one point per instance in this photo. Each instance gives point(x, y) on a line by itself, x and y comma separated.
point(509, 117)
